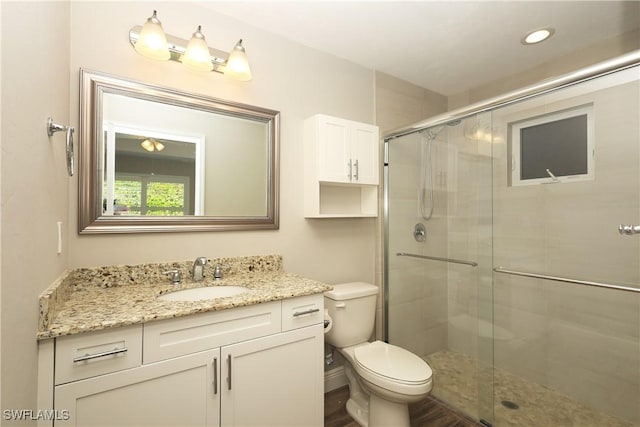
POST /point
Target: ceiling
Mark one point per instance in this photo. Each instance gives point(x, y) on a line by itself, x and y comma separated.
point(444, 46)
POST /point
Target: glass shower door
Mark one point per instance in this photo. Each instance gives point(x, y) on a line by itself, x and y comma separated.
point(567, 351)
point(439, 257)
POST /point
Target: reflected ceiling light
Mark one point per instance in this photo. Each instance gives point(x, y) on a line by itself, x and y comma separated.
point(536, 36)
point(152, 145)
point(237, 64)
point(197, 54)
point(194, 53)
point(152, 41)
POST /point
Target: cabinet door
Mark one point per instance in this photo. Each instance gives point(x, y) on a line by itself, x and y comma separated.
point(274, 381)
point(175, 392)
point(365, 151)
point(333, 149)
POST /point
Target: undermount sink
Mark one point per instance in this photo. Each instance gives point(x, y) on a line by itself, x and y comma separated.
point(207, 292)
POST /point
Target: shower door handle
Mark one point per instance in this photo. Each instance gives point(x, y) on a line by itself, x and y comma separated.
point(629, 229)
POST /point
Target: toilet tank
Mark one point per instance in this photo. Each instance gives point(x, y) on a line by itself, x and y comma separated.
point(352, 307)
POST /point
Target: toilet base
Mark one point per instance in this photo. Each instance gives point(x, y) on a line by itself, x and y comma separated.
point(371, 405)
point(358, 403)
point(359, 411)
point(384, 413)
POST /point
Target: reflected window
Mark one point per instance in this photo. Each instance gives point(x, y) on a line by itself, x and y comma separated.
point(151, 195)
point(152, 173)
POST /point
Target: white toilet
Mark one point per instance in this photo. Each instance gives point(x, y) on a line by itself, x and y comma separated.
point(383, 379)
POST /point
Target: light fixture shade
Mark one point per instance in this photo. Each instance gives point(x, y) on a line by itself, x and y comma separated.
point(152, 42)
point(152, 145)
point(237, 65)
point(197, 55)
point(147, 144)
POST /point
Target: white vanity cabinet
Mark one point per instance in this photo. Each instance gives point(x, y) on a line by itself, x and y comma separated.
point(251, 366)
point(175, 392)
point(341, 167)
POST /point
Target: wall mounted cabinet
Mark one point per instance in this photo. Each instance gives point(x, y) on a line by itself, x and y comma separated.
point(341, 168)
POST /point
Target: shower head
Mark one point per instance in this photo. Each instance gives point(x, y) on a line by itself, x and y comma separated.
point(432, 134)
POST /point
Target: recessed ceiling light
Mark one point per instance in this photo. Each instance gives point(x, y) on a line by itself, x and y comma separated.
point(536, 36)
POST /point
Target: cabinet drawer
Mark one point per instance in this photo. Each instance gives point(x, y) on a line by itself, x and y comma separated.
point(302, 311)
point(97, 353)
point(176, 337)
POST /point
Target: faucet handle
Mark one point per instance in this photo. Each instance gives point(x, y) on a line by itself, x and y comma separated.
point(217, 271)
point(174, 276)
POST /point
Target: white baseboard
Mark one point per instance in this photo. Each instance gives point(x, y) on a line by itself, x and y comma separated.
point(334, 379)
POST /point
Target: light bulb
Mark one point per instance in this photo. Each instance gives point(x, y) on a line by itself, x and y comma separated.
point(197, 55)
point(537, 36)
point(237, 65)
point(152, 42)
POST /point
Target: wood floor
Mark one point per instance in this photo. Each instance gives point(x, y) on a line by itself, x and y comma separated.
point(428, 413)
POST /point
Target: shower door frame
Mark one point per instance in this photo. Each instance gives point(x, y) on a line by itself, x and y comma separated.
point(621, 63)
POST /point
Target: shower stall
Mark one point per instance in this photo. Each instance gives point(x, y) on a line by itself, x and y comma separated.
point(511, 260)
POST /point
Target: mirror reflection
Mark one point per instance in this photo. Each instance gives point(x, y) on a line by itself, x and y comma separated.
point(151, 173)
point(161, 158)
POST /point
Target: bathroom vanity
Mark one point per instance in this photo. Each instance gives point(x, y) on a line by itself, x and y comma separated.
point(248, 359)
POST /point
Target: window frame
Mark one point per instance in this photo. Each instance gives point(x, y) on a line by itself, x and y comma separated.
point(515, 146)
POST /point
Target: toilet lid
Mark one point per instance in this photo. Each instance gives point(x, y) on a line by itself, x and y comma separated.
point(392, 362)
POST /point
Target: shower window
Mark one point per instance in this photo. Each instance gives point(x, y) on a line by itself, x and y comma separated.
point(553, 148)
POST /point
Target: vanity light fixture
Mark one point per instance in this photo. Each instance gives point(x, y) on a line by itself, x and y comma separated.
point(197, 54)
point(537, 36)
point(152, 145)
point(150, 40)
point(237, 64)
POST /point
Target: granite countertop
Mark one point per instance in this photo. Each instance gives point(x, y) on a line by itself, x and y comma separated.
point(86, 300)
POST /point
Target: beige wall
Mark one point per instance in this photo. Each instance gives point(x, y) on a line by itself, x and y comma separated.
point(35, 185)
point(400, 103)
point(41, 79)
point(292, 79)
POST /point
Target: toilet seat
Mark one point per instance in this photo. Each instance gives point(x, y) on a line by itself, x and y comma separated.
point(392, 368)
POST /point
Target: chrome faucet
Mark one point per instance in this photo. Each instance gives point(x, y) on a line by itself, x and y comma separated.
point(198, 268)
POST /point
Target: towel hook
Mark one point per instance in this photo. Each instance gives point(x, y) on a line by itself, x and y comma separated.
point(53, 128)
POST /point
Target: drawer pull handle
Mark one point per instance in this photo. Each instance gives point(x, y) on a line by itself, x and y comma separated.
point(302, 313)
point(103, 354)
